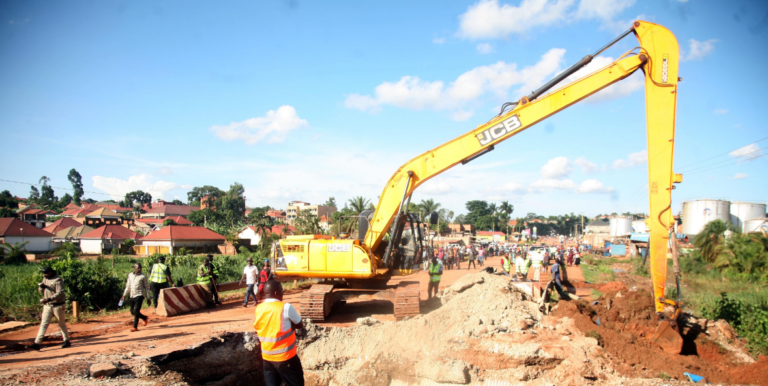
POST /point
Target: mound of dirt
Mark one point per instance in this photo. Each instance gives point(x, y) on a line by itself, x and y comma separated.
point(485, 330)
point(623, 320)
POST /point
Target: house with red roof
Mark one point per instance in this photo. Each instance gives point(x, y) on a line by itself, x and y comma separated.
point(165, 209)
point(62, 223)
point(250, 233)
point(15, 231)
point(174, 237)
point(34, 216)
point(106, 238)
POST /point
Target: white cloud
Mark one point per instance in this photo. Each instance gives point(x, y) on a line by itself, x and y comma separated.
point(552, 183)
point(462, 115)
point(633, 159)
point(497, 79)
point(118, 188)
point(558, 167)
point(438, 40)
point(720, 111)
point(165, 171)
point(272, 127)
point(512, 187)
point(617, 90)
point(485, 48)
point(739, 176)
point(748, 152)
point(587, 166)
point(435, 188)
point(593, 186)
point(698, 50)
point(488, 19)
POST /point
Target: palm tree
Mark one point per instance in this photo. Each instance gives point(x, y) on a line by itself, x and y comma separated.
point(358, 204)
point(428, 206)
point(494, 212)
point(507, 209)
point(711, 239)
point(17, 253)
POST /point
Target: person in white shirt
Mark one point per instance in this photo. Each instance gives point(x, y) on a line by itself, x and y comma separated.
point(251, 276)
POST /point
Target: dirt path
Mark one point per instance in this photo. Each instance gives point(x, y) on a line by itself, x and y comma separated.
point(111, 335)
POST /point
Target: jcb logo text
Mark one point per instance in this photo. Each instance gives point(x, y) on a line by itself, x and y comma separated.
point(495, 132)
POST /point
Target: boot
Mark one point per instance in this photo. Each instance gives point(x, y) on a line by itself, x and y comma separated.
point(66, 344)
point(33, 346)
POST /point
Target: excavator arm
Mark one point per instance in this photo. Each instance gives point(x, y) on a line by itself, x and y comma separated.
point(657, 56)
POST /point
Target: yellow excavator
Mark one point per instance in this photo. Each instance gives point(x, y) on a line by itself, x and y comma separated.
point(390, 239)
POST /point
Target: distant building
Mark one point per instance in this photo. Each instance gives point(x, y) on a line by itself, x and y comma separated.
point(461, 229)
point(249, 233)
point(102, 216)
point(294, 207)
point(163, 209)
point(34, 216)
point(62, 223)
point(70, 235)
point(15, 231)
point(276, 214)
point(600, 225)
point(106, 238)
point(490, 236)
point(173, 237)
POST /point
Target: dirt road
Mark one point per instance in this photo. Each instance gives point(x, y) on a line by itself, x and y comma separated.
point(111, 335)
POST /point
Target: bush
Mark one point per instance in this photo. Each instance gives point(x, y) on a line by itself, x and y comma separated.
point(95, 285)
point(15, 254)
point(750, 320)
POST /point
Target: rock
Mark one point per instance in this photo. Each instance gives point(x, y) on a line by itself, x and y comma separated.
point(479, 331)
point(102, 370)
point(725, 329)
point(455, 371)
point(567, 339)
point(131, 354)
point(465, 282)
point(618, 294)
point(367, 321)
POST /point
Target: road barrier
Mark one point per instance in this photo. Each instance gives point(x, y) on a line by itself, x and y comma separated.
point(180, 300)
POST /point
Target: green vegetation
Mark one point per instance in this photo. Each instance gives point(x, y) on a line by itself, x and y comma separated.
point(98, 284)
point(595, 294)
point(596, 335)
point(598, 270)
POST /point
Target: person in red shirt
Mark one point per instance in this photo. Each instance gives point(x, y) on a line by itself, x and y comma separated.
point(264, 276)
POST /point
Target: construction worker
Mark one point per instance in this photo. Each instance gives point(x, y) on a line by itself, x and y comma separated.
point(435, 273)
point(506, 265)
point(556, 277)
point(214, 271)
point(521, 267)
point(205, 281)
point(54, 304)
point(275, 324)
point(159, 278)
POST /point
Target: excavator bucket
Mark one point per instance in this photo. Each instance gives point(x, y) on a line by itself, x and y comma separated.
point(668, 338)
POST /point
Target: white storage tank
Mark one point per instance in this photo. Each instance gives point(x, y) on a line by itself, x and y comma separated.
point(640, 226)
point(741, 212)
point(698, 213)
point(621, 226)
point(755, 225)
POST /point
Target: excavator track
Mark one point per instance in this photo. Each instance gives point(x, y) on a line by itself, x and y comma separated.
point(316, 302)
point(407, 300)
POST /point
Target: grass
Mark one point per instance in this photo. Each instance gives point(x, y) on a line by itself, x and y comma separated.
point(598, 270)
point(664, 376)
point(596, 335)
point(595, 294)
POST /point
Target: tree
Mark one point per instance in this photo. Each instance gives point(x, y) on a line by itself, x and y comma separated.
point(204, 217)
point(47, 197)
point(7, 212)
point(459, 219)
point(16, 253)
point(197, 193)
point(530, 216)
point(478, 214)
point(232, 203)
point(169, 221)
point(711, 239)
point(307, 223)
point(65, 200)
point(330, 202)
point(177, 202)
point(137, 197)
point(506, 208)
point(34, 195)
point(7, 200)
point(358, 204)
point(77, 185)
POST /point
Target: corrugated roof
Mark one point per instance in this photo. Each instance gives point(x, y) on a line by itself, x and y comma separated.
point(73, 232)
point(102, 212)
point(10, 226)
point(172, 210)
point(111, 231)
point(176, 232)
point(62, 223)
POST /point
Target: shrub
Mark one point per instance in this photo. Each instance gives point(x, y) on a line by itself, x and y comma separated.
point(15, 254)
point(94, 285)
point(750, 320)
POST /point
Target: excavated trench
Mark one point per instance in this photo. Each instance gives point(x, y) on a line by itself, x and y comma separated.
point(228, 360)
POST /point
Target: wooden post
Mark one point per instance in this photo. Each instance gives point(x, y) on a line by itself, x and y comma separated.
point(76, 310)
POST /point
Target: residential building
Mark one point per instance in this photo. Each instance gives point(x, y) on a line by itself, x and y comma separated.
point(34, 216)
point(461, 229)
point(498, 237)
point(163, 209)
point(600, 225)
point(15, 231)
point(276, 214)
point(106, 238)
point(294, 207)
point(173, 237)
point(102, 216)
point(70, 235)
point(83, 209)
point(62, 223)
point(249, 233)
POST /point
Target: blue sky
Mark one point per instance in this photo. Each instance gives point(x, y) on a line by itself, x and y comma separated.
point(303, 100)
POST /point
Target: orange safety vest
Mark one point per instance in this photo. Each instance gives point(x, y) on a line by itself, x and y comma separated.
point(276, 346)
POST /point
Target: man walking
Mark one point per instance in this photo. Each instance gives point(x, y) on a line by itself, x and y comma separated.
point(521, 267)
point(205, 281)
point(471, 257)
point(275, 324)
point(137, 286)
point(481, 256)
point(53, 302)
point(536, 260)
point(556, 277)
point(159, 278)
point(251, 276)
point(214, 271)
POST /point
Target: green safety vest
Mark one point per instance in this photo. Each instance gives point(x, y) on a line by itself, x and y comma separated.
point(536, 262)
point(214, 269)
point(434, 269)
point(203, 279)
point(507, 264)
point(158, 273)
